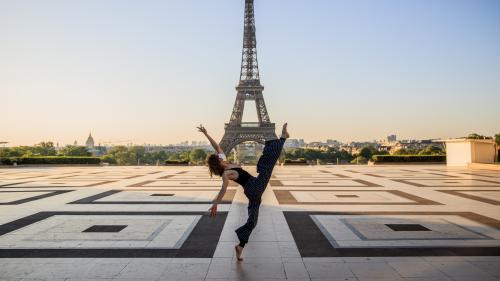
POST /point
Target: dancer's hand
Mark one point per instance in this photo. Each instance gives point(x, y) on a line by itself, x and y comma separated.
point(213, 210)
point(202, 129)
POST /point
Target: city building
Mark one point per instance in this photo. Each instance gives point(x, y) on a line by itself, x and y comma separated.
point(391, 138)
point(90, 142)
point(294, 143)
point(333, 143)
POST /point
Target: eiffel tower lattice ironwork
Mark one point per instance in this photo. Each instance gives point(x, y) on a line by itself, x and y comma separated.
point(249, 88)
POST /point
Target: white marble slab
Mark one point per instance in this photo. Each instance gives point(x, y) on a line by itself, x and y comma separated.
point(66, 231)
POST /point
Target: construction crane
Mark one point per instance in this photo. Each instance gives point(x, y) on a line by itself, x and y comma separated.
point(115, 142)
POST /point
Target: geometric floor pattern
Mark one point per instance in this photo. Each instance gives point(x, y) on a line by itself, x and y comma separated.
point(425, 222)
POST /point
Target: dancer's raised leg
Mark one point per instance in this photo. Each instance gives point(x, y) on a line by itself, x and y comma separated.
point(271, 153)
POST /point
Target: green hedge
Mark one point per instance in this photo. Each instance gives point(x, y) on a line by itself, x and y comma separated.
point(54, 160)
point(177, 162)
point(300, 161)
point(408, 158)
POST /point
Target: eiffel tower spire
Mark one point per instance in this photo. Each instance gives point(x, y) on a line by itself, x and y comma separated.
point(249, 62)
point(249, 88)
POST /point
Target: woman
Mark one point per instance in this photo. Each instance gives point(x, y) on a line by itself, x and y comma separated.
point(253, 186)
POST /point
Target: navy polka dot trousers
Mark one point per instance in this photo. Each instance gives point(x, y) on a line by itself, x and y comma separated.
point(255, 186)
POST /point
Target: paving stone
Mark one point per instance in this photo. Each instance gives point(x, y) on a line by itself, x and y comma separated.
point(319, 270)
point(296, 270)
point(373, 270)
point(315, 223)
point(410, 269)
point(457, 269)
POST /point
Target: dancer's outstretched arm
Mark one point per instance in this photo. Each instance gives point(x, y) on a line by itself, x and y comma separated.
point(225, 183)
point(214, 144)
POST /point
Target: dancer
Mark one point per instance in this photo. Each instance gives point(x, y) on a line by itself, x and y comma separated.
point(253, 187)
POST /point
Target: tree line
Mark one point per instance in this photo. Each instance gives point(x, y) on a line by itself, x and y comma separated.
point(119, 155)
point(44, 149)
point(138, 155)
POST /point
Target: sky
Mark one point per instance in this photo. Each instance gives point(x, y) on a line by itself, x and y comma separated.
point(149, 71)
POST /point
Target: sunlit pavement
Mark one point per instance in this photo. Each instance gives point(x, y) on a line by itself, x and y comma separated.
point(315, 223)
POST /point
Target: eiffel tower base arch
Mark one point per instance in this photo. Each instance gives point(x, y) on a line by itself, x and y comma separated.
point(236, 135)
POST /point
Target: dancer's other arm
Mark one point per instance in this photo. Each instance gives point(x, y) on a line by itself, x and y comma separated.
point(214, 144)
point(225, 182)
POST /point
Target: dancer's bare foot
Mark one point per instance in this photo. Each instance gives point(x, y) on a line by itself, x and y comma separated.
point(284, 132)
point(239, 251)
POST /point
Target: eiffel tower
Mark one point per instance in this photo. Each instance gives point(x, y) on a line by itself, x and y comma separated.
point(249, 88)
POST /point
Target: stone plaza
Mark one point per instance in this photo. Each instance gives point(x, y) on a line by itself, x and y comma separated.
point(422, 222)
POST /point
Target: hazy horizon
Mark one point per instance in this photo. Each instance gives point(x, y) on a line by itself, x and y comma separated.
point(99, 141)
point(151, 71)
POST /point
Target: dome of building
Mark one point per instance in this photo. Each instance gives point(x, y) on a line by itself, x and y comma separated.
point(90, 141)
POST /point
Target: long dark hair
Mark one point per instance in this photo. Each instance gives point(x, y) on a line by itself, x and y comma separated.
point(214, 165)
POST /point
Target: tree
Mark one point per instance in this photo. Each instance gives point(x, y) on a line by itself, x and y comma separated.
point(382, 152)
point(154, 157)
point(331, 155)
point(74, 150)
point(179, 156)
point(108, 158)
point(368, 151)
point(401, 151)
point(44, 149)
point(120, 155)
point(431, 150)
point(197, 155)
point(359, 160)
point(139, 152)
point(17, 151)
point(125, 158)
point(477, 136)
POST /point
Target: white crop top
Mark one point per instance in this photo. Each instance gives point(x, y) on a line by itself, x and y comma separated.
point(222, 156)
